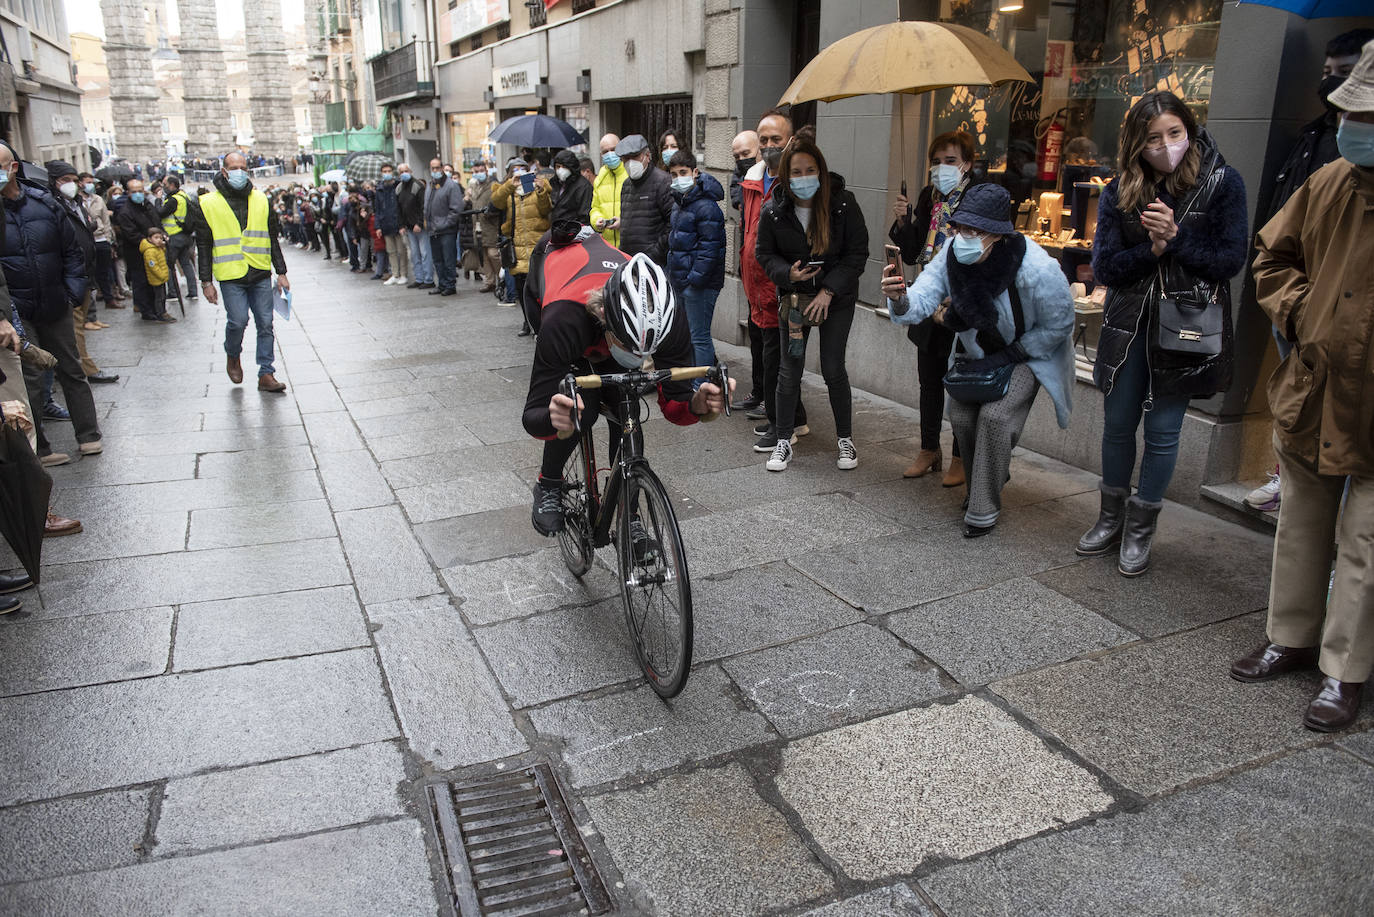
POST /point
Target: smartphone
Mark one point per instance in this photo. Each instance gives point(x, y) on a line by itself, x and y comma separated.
point(810, 265)
point(527, 182)
point(894, 258)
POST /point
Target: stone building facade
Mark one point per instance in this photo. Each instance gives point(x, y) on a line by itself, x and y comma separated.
point(269, 71)
point(204, 80)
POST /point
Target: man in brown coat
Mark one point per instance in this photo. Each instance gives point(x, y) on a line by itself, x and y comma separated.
point(1313, 278)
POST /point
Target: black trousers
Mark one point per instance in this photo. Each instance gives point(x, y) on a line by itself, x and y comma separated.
point(772, 362)
point(932, 362)
point(181, 251)
point(756, 358)
point(137, 276)
point(557, 451)
point(104, 275)
point(59, 339)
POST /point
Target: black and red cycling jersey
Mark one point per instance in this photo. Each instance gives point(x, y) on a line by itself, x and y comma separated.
point(570, 340)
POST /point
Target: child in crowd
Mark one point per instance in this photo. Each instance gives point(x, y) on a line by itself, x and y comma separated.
point(154, 250)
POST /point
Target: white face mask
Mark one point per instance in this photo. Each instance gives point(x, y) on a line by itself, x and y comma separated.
point(562, 173)
point(624, 357)
point(635, 168)
point(68, 189)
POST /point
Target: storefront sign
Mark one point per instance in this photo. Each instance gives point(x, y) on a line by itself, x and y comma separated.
point(61, 124)
point(472, 16)
point(416, 125)
point(518, 80)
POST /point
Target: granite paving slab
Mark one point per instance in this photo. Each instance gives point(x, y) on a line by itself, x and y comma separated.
point(480, 536)
point(352, 481)
point(1158, 715)
point(462, 496)
point(334, 873)
point(635, 732)
point(278, 626)
point(106, 470)
point(402, 443)
point(790, 528)
point(955, 780)
point(993, 633)
point(157, 445)
point(248, 465)
point(1291, 837)
point(808, 474)
point(77, 834)
point(268, 801)
point(1361, 744)
point(450, 706)
point(917, 503)
point(260, 523)
point(317, 397)
point(202, 493)
point(706, 843)
point(386, 559)
point(893, 901)
point(178, 724)
point(835, 678)
point(43, 655)
point(561, 652)
point(191, 576)
point(511, 587)
point(118, 535)
point(384, 425)
point(332, 432)
point(402, 404)
point(445, 466)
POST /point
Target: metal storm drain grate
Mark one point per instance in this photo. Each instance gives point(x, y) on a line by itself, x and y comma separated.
point(512, 848)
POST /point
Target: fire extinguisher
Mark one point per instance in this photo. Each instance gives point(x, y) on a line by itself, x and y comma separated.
point(1050, 133)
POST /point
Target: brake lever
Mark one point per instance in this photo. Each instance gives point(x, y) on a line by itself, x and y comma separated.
point(723, 374)
point(568, 388)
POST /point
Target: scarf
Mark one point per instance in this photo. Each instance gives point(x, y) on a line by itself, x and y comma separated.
point(940, 212)
point(974, 288)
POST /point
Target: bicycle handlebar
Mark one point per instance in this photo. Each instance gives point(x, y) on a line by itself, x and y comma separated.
point(638, 379)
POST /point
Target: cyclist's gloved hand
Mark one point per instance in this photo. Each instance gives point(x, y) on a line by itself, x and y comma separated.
point(560, 412)
point(708, 399)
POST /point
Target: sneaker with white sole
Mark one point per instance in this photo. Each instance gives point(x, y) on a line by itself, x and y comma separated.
point(399, 281)
point(782, 454)
point(849, 456)
point(768, 440)
point(1265, 497)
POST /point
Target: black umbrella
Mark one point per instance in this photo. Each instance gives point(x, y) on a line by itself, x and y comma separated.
point(114, 172)
point(536, 131)
point(24, 491)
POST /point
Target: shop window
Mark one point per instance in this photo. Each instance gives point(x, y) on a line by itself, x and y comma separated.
point(1053, 142)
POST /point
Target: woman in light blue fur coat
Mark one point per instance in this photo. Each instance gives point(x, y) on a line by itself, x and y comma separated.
point(975, 271)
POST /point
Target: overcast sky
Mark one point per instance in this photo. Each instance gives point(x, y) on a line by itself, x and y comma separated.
point(84, 16)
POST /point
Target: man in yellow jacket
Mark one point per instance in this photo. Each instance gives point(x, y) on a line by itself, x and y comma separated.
point(605, 213)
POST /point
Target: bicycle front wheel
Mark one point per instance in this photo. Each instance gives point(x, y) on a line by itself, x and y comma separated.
point(575, 540)
point(653, 582)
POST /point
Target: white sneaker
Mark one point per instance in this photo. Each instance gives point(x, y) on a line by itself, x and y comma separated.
point(849, 456)
point(389, 281)
point(782, 454)
point(1266, 496)
point(399, 281)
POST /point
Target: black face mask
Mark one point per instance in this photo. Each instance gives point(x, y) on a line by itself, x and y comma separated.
point(1328, 85)
point(772, 155)
point(744, 165)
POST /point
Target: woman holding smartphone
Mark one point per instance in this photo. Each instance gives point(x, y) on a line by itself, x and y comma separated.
point(813, 245)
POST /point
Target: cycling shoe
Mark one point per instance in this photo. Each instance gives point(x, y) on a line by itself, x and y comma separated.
point(547, 513)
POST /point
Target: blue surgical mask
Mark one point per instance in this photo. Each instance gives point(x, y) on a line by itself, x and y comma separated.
point(136, 196)
point(238, 178)
point(624, 357)
point(479, 177)
point(610, 161)
point(967, 251)
point(667, 155)
point(405, 176)
point(945, 177)
point(1355, 140)
point(388, 178)
point(436, 175)
point(89, 187)
point(683, 183)
point(806, 186)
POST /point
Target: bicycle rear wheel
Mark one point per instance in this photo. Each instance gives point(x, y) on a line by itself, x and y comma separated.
point(575, 540)
point(654, 583)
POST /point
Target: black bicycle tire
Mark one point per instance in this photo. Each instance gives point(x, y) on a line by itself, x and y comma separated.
point(575, 539)
point(643, 478)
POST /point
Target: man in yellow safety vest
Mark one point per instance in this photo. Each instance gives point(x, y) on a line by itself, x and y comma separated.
point(236, 242)
point(179, 242)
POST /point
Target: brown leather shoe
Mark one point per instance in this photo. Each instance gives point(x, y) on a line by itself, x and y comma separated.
point(927, 460)
point(56, 526)
point(268, 383)
point(954, 474)
point(1335, 706)
point(1272, 660)
point(235, 369)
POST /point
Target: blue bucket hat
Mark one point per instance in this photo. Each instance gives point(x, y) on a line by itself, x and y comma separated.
point(985, 207)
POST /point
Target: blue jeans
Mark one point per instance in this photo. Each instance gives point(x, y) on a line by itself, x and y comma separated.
point(510, 287)
point(421, 263)
point(1121, 416)
point(444, 246)
point(700, 304)
point(239, 300)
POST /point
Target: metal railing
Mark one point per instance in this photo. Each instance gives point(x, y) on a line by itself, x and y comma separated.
point(396, 74)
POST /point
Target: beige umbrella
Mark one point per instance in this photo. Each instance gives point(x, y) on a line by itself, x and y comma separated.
point(910, 57)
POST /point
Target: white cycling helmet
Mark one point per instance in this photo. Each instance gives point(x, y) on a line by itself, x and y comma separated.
point(640, 305)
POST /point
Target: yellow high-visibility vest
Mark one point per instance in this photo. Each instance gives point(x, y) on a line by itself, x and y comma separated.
point(172, 222)
point(236, 249)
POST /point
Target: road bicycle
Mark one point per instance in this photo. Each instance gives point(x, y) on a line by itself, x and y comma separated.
point(633, 511)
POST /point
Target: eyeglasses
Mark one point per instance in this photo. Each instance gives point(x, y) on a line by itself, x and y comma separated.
point(965, 232)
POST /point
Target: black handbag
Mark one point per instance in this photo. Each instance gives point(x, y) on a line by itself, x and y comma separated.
point(509, 257)
point(1190, 320)
point(987, 385)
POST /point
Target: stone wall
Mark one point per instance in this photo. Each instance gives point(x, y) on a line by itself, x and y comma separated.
point(133, 90)
point(269, 72)
point(204, 80)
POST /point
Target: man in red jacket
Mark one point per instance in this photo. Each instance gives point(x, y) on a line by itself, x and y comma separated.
point(775, 132)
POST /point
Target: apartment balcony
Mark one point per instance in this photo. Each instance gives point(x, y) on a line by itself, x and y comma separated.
point(402, 74)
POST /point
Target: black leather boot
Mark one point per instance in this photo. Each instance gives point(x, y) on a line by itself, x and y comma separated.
point(1103, 536)
point(1137, 535)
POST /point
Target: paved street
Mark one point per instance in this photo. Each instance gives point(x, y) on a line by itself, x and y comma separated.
point(289, 614)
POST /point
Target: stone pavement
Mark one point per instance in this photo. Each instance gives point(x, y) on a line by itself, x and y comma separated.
point(289, 613)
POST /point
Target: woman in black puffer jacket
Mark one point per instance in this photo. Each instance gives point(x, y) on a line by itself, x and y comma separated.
point(1176, 214)
point(812, 219)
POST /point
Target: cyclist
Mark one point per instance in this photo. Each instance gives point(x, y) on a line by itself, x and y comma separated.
point(599, 311)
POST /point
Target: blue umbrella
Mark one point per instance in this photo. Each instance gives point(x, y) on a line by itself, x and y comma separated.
point(536, 131)
point(1318, 9)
